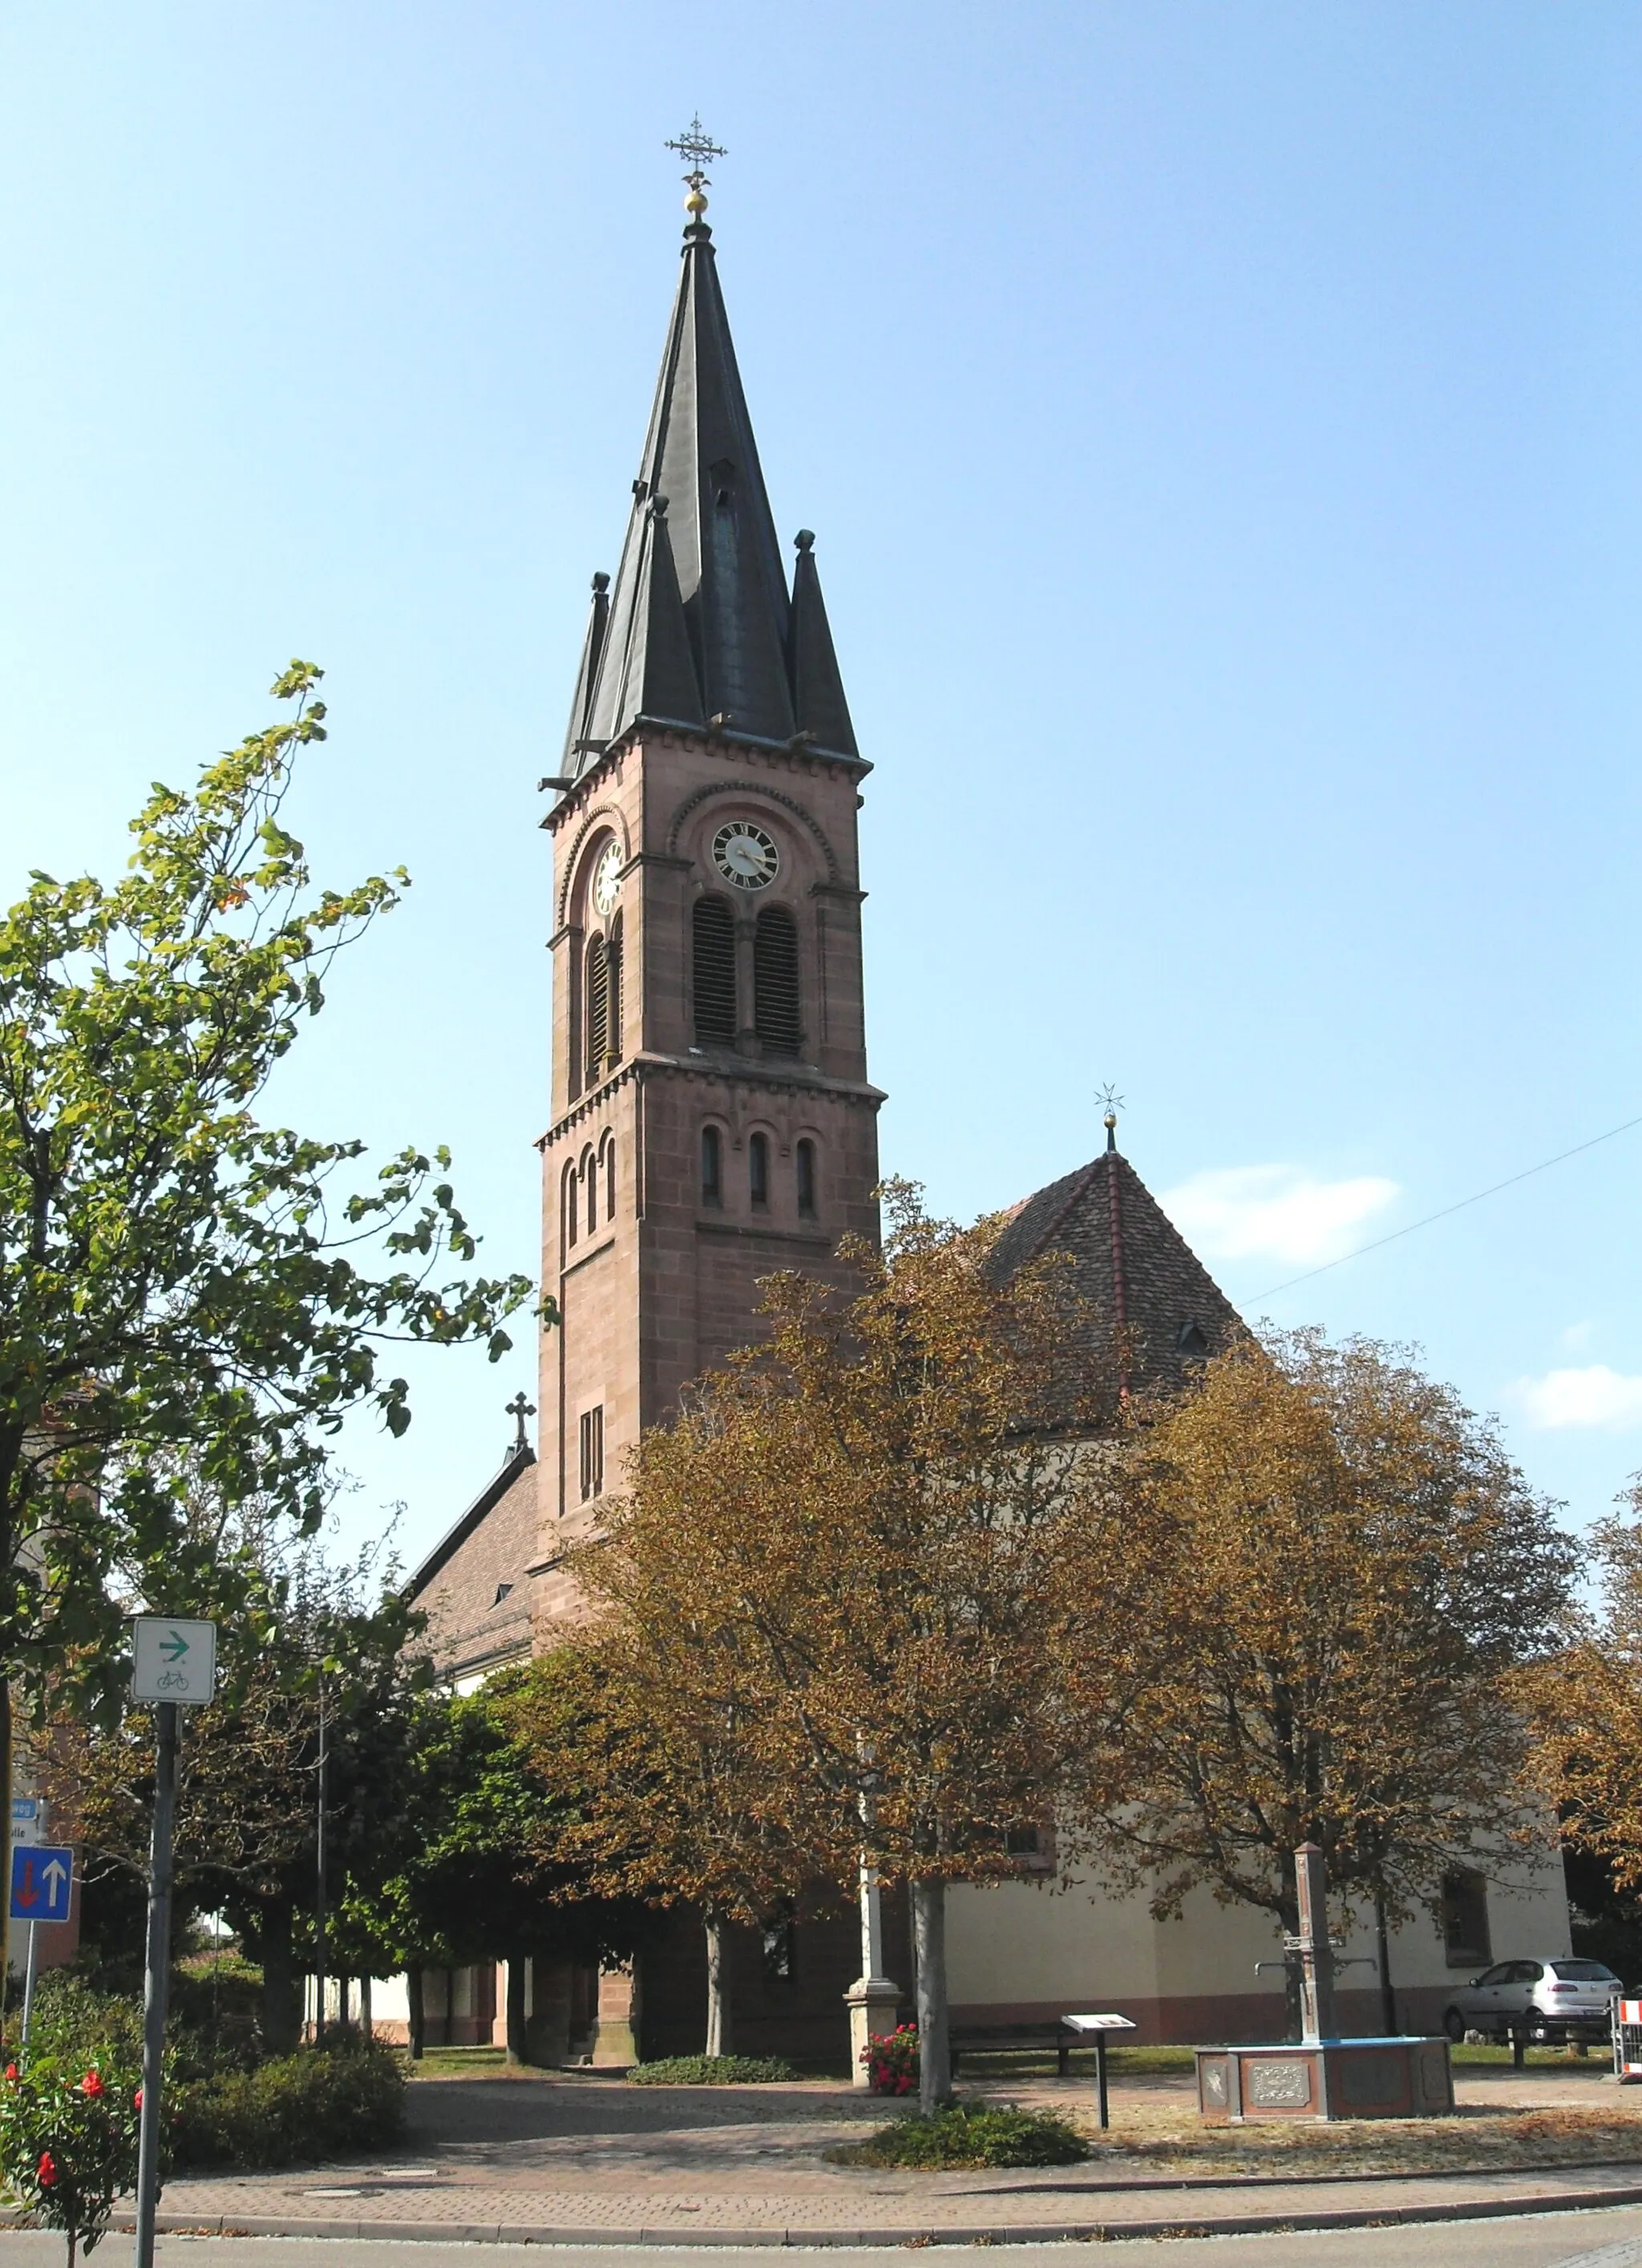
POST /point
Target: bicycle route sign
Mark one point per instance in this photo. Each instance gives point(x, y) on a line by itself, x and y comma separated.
point(172, 1661)
point(42, 1876)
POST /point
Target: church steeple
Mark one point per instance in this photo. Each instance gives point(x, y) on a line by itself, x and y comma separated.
point(707, 634)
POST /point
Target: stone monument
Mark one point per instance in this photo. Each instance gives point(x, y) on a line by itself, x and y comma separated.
point(1322, 2076)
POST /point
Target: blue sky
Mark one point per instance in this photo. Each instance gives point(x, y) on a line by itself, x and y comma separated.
point(1220, 425)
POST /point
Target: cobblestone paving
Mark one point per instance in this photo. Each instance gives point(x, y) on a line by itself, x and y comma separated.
point(533, 2158)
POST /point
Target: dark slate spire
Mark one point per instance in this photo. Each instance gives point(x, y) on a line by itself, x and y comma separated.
point(646, 668)
point(707, 634)
point(818, 701)
point(587, 678)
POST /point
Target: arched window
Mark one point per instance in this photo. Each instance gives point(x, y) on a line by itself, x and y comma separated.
point(806, 1177)
point(590, 1183)
point(712, 1166)
point(714, 940)
point(598, 1008)
point(609, 1179)
point(612, 964)
point(758, 1169)
point(570, 1207)
point(776, 981)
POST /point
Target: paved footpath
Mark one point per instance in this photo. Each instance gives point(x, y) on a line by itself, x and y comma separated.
point(575, 2161)
point(1588, 2240)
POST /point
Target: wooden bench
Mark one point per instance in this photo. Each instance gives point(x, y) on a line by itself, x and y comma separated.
point(987, 2039)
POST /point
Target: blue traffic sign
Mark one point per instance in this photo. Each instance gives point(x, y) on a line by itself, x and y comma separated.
point(41, 1879)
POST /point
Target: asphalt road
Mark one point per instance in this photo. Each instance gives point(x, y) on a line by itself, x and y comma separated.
point(1574, 2240)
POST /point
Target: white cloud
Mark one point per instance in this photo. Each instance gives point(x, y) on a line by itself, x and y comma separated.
point(1593, 1396)
point(1276, 1213)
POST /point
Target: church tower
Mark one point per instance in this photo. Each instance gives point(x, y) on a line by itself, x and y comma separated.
point(712, 1118)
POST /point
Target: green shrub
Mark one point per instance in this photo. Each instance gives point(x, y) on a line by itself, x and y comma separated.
point(71, 2021)
point(711, 2071)
point(320, 2102)
point(69, 2141)
point(969, 2134)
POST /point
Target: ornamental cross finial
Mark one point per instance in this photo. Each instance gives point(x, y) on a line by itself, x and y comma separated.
point(1112, 1103)
point(697, 146)
point(519, 1409)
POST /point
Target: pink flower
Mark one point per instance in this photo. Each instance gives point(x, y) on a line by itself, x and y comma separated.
point(10, 2071)
point(136, 2100)
point(46, 2172)
point(92, 2084)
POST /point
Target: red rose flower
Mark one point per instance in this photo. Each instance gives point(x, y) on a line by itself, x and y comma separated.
point(10, 2071)
point(91, 2084)
point(136, 2100)
point(46, 2172)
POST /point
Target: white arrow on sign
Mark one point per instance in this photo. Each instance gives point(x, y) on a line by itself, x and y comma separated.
point(56, 1874)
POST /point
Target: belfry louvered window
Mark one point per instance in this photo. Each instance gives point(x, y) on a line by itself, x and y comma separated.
point(715, 973)
point(776, 981)
point(613, 962)
point(598, 1007)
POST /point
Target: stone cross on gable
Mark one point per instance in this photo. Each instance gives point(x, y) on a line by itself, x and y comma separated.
point(520, 1409)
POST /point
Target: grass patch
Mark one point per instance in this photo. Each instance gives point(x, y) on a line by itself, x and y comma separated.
point(712, 2071)
point(969, 2134)
point(458, 2063)
point(1164, 2139)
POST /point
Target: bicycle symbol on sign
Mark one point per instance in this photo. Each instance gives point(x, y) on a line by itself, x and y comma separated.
point(173, 1682)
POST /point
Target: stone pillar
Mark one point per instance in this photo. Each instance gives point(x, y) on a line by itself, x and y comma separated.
point(616, 2026)
point(873, 2001)
point(1317, 1955)
point(549, 2026)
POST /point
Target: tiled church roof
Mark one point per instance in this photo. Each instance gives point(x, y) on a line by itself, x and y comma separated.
point(1154, 1312)
point(472, 1585)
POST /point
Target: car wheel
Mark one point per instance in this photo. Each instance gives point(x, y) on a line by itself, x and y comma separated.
point(1453, 2025)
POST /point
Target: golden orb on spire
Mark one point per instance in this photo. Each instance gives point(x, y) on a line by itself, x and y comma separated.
point(695, 204)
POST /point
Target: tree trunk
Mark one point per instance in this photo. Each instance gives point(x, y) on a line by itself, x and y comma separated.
point(416, 2014)
point(720, 2027)
point(281, 2020)
point(517, 2052)
point(1383, 1946)
point(364, 2008)
point(934, 2048)
point(342, 2002)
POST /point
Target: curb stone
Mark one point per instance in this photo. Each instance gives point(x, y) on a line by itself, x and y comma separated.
point(902, 2238)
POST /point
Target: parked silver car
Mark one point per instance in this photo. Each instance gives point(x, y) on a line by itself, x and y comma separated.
point(1556, 1999)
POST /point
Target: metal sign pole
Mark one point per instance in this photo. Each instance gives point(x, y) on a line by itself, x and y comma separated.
point(28, 1980)
point(157, 1981)
point(319, 1886)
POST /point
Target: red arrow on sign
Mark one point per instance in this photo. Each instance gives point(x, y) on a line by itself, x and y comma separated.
point(28, 1895)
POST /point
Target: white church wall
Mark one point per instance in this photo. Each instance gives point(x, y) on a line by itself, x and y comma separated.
point(1019, 1947)
point(1021, 1953)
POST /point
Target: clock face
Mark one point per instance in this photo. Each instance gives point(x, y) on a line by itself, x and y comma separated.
point(607, 880)
point(745, 856)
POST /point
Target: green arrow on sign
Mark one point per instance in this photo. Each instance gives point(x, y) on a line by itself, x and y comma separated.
point(174, 1646)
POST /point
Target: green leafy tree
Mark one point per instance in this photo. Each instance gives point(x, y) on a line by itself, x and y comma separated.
point(309, 1632)
point(494, 1866)
point(175, 1273)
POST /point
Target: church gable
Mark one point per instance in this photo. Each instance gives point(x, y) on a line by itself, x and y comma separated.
point(474, 1587)
point(1153, 1313)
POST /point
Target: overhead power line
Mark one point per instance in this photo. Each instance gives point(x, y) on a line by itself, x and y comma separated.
point(1493, 1191)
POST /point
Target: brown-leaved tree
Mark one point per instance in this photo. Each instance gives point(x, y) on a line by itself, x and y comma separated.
point(855, 1539)
point(1330, 1566)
